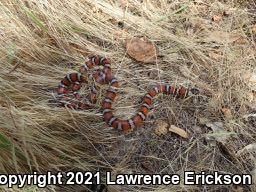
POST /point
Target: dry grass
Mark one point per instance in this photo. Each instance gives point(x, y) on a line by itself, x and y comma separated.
point(41, 41)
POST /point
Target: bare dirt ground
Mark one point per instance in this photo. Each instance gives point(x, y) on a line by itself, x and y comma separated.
point(208, 44)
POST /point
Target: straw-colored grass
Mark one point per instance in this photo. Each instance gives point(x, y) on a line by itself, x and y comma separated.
point(41, 41)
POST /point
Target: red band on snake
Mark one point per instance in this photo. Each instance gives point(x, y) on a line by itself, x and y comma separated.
point(71, 83)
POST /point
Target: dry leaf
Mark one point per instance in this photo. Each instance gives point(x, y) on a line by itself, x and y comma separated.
point(141, 49)
point(161, 127)
point(219, 134)
point(225, 37)
point(226, 112)
point(178, 131)
point(217, 18)
point(247, 149)
point(227, 152)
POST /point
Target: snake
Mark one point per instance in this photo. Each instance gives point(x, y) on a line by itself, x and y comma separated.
point(68, 93)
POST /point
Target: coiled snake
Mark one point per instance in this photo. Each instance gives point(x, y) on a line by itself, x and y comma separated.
point(71, 84)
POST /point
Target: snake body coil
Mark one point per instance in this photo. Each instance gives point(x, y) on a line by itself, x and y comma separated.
point(71, 83)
